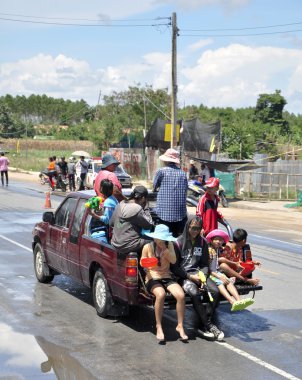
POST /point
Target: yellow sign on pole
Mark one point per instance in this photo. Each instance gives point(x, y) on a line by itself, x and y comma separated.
point(168, 132)
point(18, 146)
point(212, 147)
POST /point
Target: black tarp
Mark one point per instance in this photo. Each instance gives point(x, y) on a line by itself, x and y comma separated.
point(228, 165)
point(194, 136)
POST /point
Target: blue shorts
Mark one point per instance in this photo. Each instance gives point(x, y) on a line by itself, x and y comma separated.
point(216, 280)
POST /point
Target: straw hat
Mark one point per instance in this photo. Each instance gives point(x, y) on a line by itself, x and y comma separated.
point(170, 155)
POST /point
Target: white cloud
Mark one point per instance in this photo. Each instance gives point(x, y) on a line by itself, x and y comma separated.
point(232, 76)
point(235, 75)
point(228, 5)
point(200, 44)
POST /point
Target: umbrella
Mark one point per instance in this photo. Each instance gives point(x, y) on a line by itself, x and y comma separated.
point(80, 153)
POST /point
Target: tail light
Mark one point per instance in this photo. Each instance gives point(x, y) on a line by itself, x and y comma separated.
point(131, 269)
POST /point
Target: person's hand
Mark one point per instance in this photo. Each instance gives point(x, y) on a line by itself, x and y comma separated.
point(238, 265)
point(224, 279)
point(258, 263)
point(194, 278)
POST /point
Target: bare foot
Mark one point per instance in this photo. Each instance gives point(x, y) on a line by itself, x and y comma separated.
point(252, 281)
point(182, 333)
point(160, 334)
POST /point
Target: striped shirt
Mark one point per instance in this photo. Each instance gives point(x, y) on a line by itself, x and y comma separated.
point(171, 198)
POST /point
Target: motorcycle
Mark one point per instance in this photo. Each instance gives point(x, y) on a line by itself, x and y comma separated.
point(197, 190)
point(60, 182)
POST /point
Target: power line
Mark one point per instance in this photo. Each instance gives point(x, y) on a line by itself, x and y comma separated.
point(107, 25)
point(239, 35)
point(245, 28)
point(83, 19)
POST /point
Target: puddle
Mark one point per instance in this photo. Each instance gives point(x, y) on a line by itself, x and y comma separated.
point(24, 356)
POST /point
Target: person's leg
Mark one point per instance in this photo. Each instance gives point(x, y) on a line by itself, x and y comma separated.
point(2, 181)
point(6, 176)
point(233, 291)
point(192, 290)
point(72, 182)
point(226, 269)
point(160, 294)
point(177, 292)
point(212, 306)
point(226, 294)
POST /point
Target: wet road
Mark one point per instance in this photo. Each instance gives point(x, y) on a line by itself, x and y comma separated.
point(52, 331)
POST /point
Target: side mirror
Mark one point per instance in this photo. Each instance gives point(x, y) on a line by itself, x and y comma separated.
point(48, 217)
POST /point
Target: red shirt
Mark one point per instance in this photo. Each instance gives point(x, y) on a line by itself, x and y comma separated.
point(207, 210)
point(106, 174)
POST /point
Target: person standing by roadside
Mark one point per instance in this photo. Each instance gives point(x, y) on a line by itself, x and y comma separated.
point(71, 170)
point(4, 162)
point(172, 184)
point(83, 173)
point(193, 172)
point(109, 163)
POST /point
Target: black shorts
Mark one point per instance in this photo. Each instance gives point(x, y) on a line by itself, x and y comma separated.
point(164, 282)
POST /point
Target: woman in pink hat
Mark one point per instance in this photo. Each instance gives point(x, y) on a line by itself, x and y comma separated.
point(216, 239)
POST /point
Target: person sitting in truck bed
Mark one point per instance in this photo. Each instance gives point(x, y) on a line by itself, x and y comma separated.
point(159, 280)
point(193, 255)
point(130, 217)
point(231, 258)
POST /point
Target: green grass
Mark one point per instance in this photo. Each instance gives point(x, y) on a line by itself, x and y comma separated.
point(34, 160)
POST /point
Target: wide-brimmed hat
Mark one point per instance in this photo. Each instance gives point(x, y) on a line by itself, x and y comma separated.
point(219, 233)
point(161, 232)
point(170, 155)
point(109, 159)
point(212, 182)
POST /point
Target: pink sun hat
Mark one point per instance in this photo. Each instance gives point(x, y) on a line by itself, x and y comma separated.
point(219, 233)
point(170, 155)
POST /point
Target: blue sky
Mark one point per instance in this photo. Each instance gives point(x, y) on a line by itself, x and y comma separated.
point(228, 51)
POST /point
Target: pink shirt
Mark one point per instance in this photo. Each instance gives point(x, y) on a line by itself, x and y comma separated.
point(105, 174)
point(4, 162)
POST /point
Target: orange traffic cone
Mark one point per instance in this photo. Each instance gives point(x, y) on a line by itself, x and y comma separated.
point(47, 200)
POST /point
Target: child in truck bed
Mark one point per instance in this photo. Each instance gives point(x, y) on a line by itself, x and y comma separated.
point(216, 239)
point(234, 254)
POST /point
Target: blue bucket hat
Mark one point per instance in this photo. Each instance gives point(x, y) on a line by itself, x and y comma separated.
point(161, 232)
point(109, 159)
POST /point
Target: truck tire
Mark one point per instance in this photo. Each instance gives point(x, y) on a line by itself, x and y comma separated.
point(41, 268)
point(101, 294)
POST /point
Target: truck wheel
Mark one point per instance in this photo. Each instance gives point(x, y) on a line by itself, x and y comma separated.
point(41, 268)
point(101, 294)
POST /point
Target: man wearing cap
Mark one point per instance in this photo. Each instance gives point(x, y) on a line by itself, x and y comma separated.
point(129, 218)
point(207, 206)
point(109, 163)
point(172, 184)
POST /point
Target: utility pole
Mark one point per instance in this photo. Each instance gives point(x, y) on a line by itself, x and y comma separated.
point(174, 83)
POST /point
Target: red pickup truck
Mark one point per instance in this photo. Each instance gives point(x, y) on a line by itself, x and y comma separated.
point(62, 244)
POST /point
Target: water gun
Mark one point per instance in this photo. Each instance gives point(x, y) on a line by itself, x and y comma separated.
point(94, 203)
point(203, 280)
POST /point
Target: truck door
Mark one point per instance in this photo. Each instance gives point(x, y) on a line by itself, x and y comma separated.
point(56, 243)
point(74, 241)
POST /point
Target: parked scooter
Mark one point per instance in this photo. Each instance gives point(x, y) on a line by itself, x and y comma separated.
point(197, 190)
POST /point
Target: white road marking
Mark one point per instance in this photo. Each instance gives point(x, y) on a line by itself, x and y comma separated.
point(254, 359)
point(279, 241)
point(14, 242)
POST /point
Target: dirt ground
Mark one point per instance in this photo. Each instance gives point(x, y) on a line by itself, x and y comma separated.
point(268, 216)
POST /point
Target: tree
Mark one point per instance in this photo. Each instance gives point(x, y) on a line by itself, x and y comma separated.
point(269, 110)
